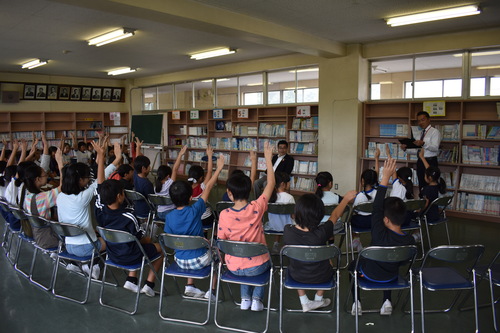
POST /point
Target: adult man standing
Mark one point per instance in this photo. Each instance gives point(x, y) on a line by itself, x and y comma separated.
point(282, 162)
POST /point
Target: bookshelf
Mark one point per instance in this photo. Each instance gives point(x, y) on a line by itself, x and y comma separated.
point(468, 154)
point(17, 125)
point(236, 131)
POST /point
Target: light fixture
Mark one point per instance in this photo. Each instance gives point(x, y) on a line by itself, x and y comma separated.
point(256, 84)
point(303, 70)
point(112, 36)
point(478, 54)
point(434, 15)
point(34, 63)
point(386, 82)
point(212, 53)
point(488, 67)
point(120, 71)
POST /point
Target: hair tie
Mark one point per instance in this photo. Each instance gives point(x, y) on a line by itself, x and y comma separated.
point(319, 185)
point(192, 180)
point(409, 178)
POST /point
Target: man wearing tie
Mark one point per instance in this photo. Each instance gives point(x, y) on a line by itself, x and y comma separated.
point(430, 139)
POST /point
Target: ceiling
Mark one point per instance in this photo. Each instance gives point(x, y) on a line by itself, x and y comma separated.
point(168, 30)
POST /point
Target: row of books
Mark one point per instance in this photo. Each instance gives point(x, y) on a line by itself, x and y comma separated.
point(474, 154)
point(176, 141)
point(243, 130)
point(303, 148)
point(478, 203)
point(222, 125)
point(303, 136)
point(220, 143)
point(28, 135)
point(197, 130)
point(197, 142)
point(305, 167)
point(305, 123)
point(277, 130)
point(480, 183)
point(395, 150)
point(81, 133)
point(448, 155)
point(449, 132)
point(479, 131)
point(243, 144)
point(394, 130)
point(302, 184)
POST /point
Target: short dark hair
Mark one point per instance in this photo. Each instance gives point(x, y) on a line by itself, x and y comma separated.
point(196, 172)
point(423, 113)
point(140, 162)
point(124, 169)
point(109, 190)
point(282, 142)
point(72, 175)
point(81, 144)
point(180, 192)
point(395, 210)
point(30, 175)
point(163, 172)
point(240, 186)
point(21, 169)
point(309, 211)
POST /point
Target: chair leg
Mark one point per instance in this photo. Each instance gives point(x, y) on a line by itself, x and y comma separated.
point(492, 296)
point(447, 232)
point(475, 301)
point(422, 313)
point(16, 259)
point(412, 304)
point(32, 271)
point(356, 299)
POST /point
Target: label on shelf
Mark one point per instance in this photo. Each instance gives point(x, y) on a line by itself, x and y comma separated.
point(435, 108)
point(242, 113)
point(218, 114)
point(176, 115)
point(194, 114)
point(303, 111)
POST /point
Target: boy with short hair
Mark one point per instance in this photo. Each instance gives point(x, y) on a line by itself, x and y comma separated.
point(186, 220)
point(243, 222)
point(111, 214)
point(387, 217)
point(142, 167)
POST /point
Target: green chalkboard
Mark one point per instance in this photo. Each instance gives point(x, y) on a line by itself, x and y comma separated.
point(148, 128)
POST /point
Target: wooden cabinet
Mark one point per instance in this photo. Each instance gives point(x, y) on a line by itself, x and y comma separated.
point(468, 157)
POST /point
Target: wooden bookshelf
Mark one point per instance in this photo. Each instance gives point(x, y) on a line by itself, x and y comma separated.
point(478, 203)
point(234, 132)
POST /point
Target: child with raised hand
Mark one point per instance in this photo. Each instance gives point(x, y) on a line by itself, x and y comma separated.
point(162, 184)
point(186, 220)
point(243, 222)
point(142, 167)
point(436, 186)
point(277, 222)
point(387, 217)
point(309, 230)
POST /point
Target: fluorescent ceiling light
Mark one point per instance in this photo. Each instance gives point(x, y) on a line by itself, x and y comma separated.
point(488, 67)
point(222, 80)
point(212, 53)
point(478, 54)
point(256, 84)
point(303, 70)
point(434, 15)
point(386, 82)
point(120, 71)
point(112, 36)
point(34, 63)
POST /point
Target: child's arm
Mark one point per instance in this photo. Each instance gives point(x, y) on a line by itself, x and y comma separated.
point(100, 161)
point(339, 210)
point(210, 165)
point(45, 158)
point(60, 165)
point(271, 181)
point(253, 168)
point(213, 179)
point(377, 164)
point(178, 162)
point(12, 158)
point(378, 204)
point(2, 156)
point(31, 155)
point(422, 157)
point(73, 140)
point(117, 148)
point(24, 148)
point(388, 153)
point(138, 144)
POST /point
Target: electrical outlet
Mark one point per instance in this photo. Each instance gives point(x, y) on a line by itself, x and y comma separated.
point(336, 186)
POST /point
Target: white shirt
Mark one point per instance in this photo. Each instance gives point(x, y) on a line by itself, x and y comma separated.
point(278, 161)
point(329, 198)
point(277, 222)
point(165, 187)
point(398, 190)
point(432, 140)
point(361, 198)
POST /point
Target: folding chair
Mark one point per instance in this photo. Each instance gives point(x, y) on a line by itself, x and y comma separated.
point(183, 242)
point(415, 205)
point(344, 219)
point(278, 209)
point(132, 197)
point(208, 228)
point(22, 238)
point(385, 254)
point(243, 250)
point(442, 203)
point(309, 254)
point(365, 207)
point(69, 230)
point(449, 276)
point(10, 232)
point(118, 236)
point(40, 222)
point(494, 280)
point(158, 200)
point(221, 205)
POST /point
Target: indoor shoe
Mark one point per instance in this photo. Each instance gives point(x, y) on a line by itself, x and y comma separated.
point(276, 248)
point(96, 271)
point(417, 236)
point(73, 268)
point(131, 286)
point(313, 305)
point(245, 304)
point(191, 291)
point(353, 310)
point(257, 305)
point(148, 291)
point(386, 309)
point(356, 245)
point(209, 294)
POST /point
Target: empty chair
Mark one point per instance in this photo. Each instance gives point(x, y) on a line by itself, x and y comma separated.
point(159, 200)
point(439, 204)
point(170, 268)
point(309, 254)
point(449, 267)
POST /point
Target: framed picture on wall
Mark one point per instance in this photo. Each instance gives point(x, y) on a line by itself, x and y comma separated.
point(76, 93)
point(117, 95)
point(106, 94)
point(86, 93)
point(29, 91)
point(96, 94)
point(63, 92)
point(52, 92)
point(41, 91)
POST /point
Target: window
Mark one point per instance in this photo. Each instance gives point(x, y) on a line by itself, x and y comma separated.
point(485, 73)
point(149, 98)
point(251, 89)
point(434, 88)
point(391, 76)
point(227, 91)
point(203, 94)
point(293, 86)
point(184, 95)
point(166, 97)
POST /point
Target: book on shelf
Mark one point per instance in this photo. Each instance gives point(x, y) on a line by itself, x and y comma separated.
point(223, 175)
point(474, 131)
point(449, 132)
point(197, 142)
point(395, 150)
point(448, 155)
point(197, 130)
point(302, 136)
point(262, 142)
point(480, 183)
point(243, 143)
point(266, 129)
point(303, 148)
point(393, 130)
point(474, 154)
point(220, 143)
point(494, 133)
point(302, 184)
point(243, 130)
point(478, 203)
point(305, 123)
point(261, 163)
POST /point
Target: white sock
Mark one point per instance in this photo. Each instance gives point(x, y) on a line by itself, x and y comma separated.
point(304, 299)
point(318, 297)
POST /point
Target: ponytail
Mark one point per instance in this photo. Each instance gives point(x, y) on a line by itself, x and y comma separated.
point(442, 186)
point(322, 180)
point(163, 172)
point(369, 177)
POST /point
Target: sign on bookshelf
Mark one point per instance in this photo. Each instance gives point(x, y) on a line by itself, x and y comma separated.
point(218, 114)
point(303, 111)
point(242, 113)
point(176, 115)
point(194, 114)
point(435, 108)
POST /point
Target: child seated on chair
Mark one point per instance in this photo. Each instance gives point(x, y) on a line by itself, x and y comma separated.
point(111, 214)
point(308, 230)
point(186, 220)
point(162, 184)
point(253, 172)
point(435, 186)
point(243, 222)
point(387, 217)
point(142, 167)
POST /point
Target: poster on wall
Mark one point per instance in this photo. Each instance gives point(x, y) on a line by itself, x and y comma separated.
point(435, 108)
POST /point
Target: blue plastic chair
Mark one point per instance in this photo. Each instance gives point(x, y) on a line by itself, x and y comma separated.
point(449, 276)
point(118, 236)
point(10, 233)
point(309, 254)
point(183, 242)
point(242, 249)
point(385, 254)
